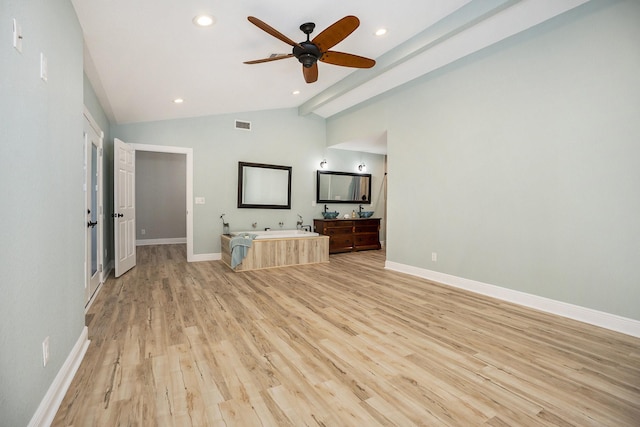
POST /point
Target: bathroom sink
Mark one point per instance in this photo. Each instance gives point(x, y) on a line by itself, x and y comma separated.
point(330, 215)
point(365, 214)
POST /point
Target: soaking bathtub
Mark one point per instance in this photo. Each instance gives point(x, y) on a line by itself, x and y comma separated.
point(276, 234)
point(278, 248)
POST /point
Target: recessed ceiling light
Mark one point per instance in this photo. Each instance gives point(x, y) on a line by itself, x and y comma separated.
point(204, 20)
point(296, 92)
point(178, 101)
point(381, 32)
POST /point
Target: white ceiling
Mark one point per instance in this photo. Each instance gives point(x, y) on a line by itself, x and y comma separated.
point(142, 54)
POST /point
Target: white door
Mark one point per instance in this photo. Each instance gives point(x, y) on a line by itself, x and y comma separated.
point(93, 197)
point(124, 196)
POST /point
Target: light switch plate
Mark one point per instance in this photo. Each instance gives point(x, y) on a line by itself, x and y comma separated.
point(17, 36)
point(199, 200)
point(45, 351)
point(44, 70)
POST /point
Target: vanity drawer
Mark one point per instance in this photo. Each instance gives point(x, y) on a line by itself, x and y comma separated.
point(368, 223)
point(366, 228)
point(341, 243)
point(337, 231)
point(366, 239)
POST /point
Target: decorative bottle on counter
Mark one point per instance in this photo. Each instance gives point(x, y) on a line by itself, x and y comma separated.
point(353, 213)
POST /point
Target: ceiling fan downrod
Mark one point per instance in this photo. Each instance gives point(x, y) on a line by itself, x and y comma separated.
point(307, 52)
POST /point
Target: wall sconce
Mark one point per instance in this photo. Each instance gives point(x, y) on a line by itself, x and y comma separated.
point(362, 167)
point(323, 164)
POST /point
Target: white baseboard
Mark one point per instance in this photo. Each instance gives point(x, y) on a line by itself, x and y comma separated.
point(93, 297)
point(107, 270)
point(206, 257)
point(169, 241)
point(49, 405)
point(571, 311)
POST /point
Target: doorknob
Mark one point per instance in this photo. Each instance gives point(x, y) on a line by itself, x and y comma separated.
point(117, 215)
point(92, 224)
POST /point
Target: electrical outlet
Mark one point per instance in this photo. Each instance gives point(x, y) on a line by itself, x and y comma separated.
point(143, 231)
point(434, 256)
point(199, 200)
point(45, 351)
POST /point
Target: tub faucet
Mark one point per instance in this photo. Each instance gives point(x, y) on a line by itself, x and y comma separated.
point(299, 222)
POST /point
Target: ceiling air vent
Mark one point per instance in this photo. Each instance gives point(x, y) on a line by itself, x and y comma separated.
point(242, 125)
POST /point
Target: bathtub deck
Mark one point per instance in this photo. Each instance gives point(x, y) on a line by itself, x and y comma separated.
point(270, 253)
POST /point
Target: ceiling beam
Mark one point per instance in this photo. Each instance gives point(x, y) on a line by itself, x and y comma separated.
point(467, 16)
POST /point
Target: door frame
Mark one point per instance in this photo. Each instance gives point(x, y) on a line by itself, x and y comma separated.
point(189, 190)
point(89, 296)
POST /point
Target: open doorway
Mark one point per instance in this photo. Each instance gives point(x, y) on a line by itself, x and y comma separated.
point(161, 217)
point(375, 144)
point(188, 182)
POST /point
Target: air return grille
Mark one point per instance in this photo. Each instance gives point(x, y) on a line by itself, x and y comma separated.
point(243, 125)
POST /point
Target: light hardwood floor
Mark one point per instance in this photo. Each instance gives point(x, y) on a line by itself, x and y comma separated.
point(340, 344)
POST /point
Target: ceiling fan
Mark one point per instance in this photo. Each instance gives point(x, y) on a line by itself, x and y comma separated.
point(309, 52)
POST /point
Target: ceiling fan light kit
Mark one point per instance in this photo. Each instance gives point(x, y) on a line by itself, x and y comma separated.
point(309, 52)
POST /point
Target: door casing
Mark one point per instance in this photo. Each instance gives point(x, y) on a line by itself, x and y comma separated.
point(93, 137)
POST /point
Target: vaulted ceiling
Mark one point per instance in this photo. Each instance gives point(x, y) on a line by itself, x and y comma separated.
point(141, 55)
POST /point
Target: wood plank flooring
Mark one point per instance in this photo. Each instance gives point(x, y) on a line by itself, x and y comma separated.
point(340, 344)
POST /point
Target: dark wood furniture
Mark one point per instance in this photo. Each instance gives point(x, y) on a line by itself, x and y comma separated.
point(346, 235)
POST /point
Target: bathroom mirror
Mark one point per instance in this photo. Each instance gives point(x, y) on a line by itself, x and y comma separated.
point(264, 186)
point(343, 187)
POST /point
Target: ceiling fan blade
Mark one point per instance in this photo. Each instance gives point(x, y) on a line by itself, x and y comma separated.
point(311, 73)
point(347, 60)
point(269, 29)
point(271, 58)
point(335, 33)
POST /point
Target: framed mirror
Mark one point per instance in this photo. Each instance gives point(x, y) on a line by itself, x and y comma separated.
point(264, 186)
point(343, 187)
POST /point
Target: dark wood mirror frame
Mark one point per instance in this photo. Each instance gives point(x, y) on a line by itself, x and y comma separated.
point(322, 176)
point(270, 176)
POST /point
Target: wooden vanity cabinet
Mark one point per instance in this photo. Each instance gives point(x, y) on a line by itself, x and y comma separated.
point(347, 235)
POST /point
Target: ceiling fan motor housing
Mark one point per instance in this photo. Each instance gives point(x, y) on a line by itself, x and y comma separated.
point(308, 55)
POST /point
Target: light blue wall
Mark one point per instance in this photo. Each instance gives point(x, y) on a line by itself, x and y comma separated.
point(93, 105)
point(279, 137)
point(42, 228)
point(519, 166)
